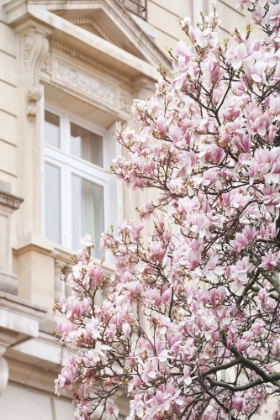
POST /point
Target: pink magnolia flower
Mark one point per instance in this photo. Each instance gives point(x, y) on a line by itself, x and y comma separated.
point(270, 260)
point(191, 309)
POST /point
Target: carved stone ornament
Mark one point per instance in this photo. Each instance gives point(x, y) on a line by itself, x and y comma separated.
point(47, 65)
point(36, 47)
point(33, 95)
point(9, 200)
point(68, 76)
point(74, 52)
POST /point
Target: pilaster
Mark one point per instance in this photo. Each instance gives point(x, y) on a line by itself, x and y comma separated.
point(8, 204)
point(33, 44)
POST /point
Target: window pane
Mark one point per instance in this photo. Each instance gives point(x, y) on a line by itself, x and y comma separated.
point(52, 132)
point(52, 203)
point(87, 212)
point(86, 145)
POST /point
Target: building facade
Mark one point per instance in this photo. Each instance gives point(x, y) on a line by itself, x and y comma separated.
point(69, 71)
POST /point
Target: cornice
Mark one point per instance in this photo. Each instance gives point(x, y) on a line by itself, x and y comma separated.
point(21, 306)
point(74, 52)
point(49, 12)
point(9, 200)
point(33, 242)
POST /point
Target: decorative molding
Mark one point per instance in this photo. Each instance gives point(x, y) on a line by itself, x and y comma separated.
point(89, 60)
point(88, 20)
point(24, 309)
point(9, 200)
point(33, 95)
point(69, 76)
point(8, 282)
point(30, 40)
point(47, 65)
point(133, 31)
point(36, 47)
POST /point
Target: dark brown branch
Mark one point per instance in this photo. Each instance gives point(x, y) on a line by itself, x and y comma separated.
point(272, 378)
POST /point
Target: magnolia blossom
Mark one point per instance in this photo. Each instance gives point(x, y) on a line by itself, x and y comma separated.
point(189, 325)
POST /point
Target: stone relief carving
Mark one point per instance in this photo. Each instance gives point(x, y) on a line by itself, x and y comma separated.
point(36, 47)
point(79, 81)
point(33, 95)
point(9, 200)
point(28, 47)
point(47, 65)
point(57, 44)
point(125, 102)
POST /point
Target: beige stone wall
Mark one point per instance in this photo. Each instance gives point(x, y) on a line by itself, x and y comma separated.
point(24, 403)
point(165, 16)
point(8, 106)
point(231, 18)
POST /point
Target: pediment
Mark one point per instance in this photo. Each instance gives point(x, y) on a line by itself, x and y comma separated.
point(98, 26)
point(110, 20)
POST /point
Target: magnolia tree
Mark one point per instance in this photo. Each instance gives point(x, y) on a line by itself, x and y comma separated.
point(189, 328)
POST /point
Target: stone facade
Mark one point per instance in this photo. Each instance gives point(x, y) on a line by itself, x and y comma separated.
point(84, 61)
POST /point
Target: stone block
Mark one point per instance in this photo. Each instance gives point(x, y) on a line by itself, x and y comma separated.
point(36, 270)
point(63, 409)
point(8, 98)
point(8, 158)
point(8, 72)
point(179, 8)
point(7, 40)
point(8, 124)
point(25, 404)
point(165, 21)
point(165, 41)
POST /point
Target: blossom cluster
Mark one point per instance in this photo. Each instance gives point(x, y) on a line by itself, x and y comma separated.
point(190, 326)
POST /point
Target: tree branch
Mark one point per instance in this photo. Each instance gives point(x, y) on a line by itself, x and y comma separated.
point(222, 367)
point(274, 281)
point(270, 378)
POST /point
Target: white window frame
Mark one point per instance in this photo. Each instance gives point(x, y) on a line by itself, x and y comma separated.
point(70, 164)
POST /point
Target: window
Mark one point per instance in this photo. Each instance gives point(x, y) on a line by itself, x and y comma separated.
point(80, 196)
